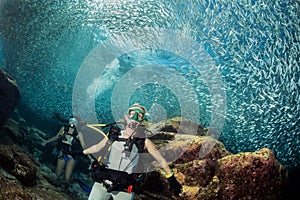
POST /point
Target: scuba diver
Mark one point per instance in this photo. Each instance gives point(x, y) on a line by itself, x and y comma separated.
point(69, 146)
point(113, 172)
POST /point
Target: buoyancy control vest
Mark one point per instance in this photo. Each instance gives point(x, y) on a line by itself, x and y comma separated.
point(68, 143)
point(115, 168)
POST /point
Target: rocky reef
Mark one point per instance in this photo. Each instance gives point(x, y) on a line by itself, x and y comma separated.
point(218, 175)
point(204, 167)
point(9, 93)
point(221, 174)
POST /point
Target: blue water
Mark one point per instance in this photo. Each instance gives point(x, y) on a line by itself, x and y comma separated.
point(232, 66)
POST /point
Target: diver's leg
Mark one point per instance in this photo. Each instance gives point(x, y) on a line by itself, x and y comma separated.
point(69, 169)
point(99, 192)
point(60, 165)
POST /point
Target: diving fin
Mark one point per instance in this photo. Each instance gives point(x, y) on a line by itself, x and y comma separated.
point(82, 185)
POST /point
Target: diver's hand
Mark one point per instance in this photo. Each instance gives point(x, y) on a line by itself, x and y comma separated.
point(175, 186)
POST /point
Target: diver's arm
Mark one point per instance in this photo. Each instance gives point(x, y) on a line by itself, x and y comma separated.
point(80, 138)
point(95, 148)
point(82, 143)
point(54, 138)
point(156, 154)
point(175, 186)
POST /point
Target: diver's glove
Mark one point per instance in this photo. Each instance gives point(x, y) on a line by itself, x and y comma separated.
point(175, 186)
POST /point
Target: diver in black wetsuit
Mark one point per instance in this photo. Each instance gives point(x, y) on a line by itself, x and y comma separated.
point(70, 142)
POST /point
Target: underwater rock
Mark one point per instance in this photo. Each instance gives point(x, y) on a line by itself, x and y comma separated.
point(18, 164)
point(179, 125)
point(9, 96)
point(211, 191)
point(11, 190)
point(248, 175)
point(204, 147)
point(12, 131)
point(197, 173)
point(155, 185)
point(251, 175)
point(208, 171)
point(189, 192)
point(18, 131)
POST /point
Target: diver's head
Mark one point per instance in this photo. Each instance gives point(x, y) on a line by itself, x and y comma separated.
point(73, 122)
point(136, 113)
point(134, 118)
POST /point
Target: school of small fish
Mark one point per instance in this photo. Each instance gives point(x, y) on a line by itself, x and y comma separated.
point(255, 45)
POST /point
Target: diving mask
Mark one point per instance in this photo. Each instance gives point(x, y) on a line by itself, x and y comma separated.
point(136, 114)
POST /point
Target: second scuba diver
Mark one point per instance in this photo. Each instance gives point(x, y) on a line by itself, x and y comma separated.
point(122, 154)
point(69, 146)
